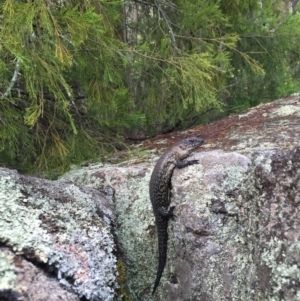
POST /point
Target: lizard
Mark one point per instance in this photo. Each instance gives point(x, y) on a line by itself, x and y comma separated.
point(159, 190)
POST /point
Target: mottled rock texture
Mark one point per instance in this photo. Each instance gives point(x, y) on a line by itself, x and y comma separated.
point(56, 241)
point(236, 232)
point(28, 281)
point(237, 227)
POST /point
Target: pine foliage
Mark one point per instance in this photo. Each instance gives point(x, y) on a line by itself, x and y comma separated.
point(181, 59)
point(62, 90)
point(269, 34)
point(79, 76)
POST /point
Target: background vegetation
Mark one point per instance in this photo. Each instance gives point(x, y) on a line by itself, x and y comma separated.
point(79, 78)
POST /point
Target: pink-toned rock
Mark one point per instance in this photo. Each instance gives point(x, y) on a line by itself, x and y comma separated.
point(236, 234)
point(59, 241)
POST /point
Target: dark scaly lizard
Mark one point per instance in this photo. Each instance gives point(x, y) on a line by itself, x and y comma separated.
point(159, 189)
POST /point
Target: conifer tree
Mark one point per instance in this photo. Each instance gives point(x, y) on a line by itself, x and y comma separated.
point(269, 32)
point(63, 97)
point(80, 76)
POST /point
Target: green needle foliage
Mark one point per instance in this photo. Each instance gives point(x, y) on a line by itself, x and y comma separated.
point(181, 59)
point(61, 91)
point(269, 34)
point(80, 76)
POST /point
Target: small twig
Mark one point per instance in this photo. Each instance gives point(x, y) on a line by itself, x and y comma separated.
point(144, 3)
point(168, 23)
point(13, 79)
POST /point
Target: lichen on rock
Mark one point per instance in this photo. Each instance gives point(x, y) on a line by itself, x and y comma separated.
point(56, 224)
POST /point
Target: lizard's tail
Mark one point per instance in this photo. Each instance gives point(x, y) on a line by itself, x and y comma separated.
point(162, 250)
point(160, 270)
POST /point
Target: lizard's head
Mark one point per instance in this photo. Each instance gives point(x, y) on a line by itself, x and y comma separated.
point(187, 145)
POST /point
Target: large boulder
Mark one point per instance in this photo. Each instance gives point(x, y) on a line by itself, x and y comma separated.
point(235, 235)
point(56, 241)
point(236, 232)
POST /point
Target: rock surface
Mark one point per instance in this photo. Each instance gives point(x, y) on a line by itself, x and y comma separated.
point(235, 237)
point(272, 125)
point(25, 281)
point(236, 226)
point(56, 241)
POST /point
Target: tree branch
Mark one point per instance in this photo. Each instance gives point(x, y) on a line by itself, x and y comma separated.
point(168, 23)
point(13, 79)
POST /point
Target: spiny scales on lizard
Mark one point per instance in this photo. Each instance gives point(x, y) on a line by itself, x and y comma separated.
point(159, 189)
